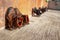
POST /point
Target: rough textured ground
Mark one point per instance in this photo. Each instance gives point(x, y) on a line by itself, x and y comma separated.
point(45, 27)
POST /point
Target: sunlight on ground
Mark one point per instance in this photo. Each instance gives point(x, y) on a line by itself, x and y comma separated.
point(45, 27)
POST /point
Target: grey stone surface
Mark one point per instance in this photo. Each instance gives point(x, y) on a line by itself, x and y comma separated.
point(45, 27)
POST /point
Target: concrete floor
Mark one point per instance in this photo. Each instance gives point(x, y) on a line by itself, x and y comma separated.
point(45, 27)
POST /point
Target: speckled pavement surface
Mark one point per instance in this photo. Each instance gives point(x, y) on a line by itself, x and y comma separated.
point(45, 27)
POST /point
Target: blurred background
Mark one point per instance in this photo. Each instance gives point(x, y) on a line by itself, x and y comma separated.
point(25, 7)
